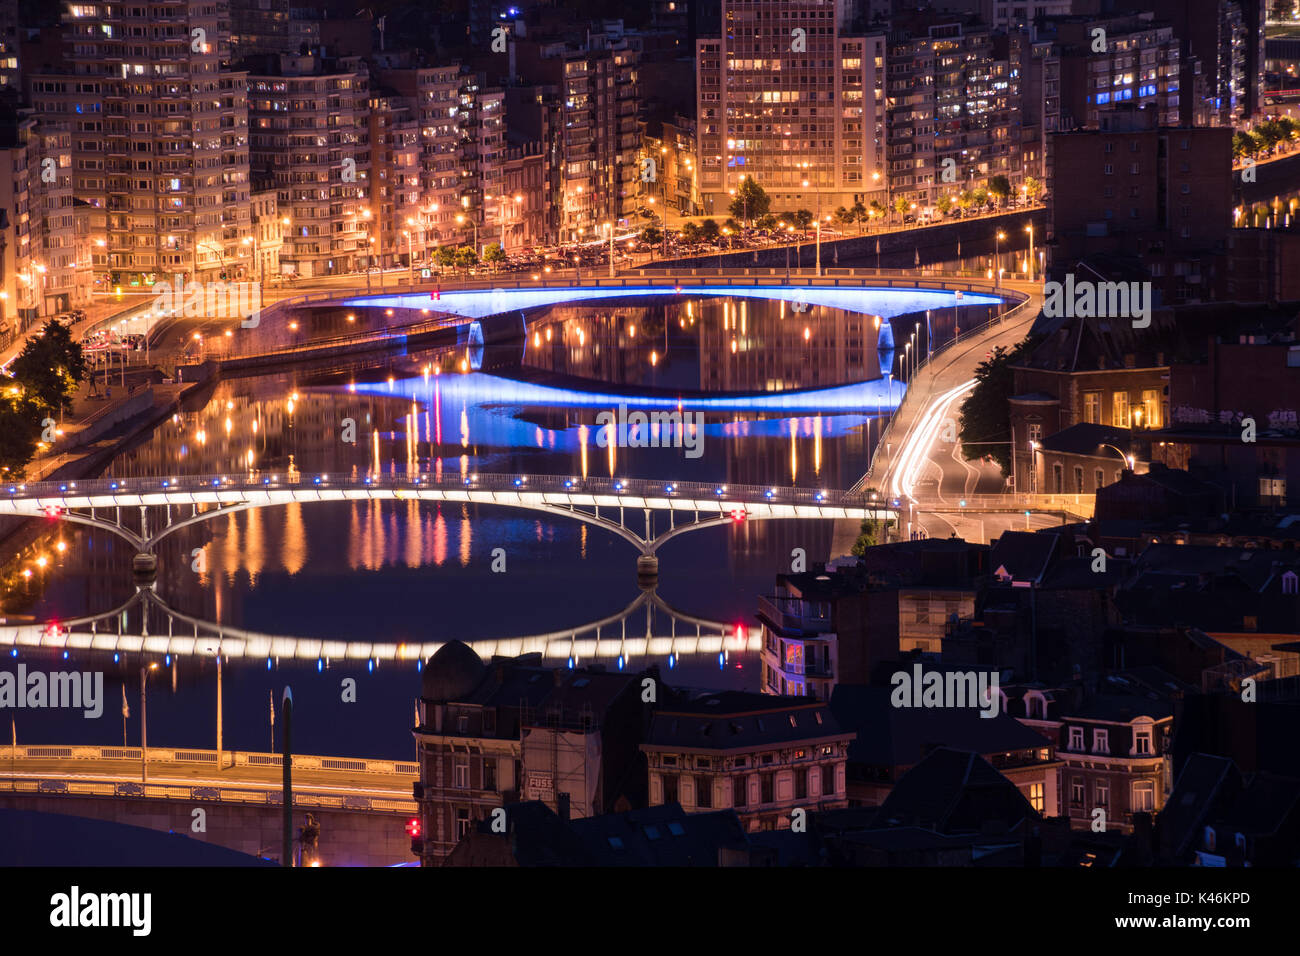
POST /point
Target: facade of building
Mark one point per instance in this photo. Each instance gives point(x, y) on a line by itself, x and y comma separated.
point(762, 756)
point(158, 129)
point(1152, 195)
point(788, 97)
point(309, 129)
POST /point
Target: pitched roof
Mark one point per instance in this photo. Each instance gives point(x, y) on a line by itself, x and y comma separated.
point(889, 736)
point(953, 791)
point(734, 720)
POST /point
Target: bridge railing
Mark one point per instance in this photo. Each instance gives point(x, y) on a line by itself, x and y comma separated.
point(1073, 504)
point(220, 486)
point(303, 796)
point(165, 756)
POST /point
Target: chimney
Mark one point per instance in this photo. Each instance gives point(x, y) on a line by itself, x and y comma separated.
point(562, 806)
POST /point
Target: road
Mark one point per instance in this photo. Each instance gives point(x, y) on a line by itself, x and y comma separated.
point(922, 461)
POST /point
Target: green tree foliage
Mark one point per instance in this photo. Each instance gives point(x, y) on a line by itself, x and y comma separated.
point(20, 428)
point(709, 230)
point(466, 258)
point(750, 202)
point(999, 188)
point(690, 233)
point(494, 254)
point(652, 236)
point(984, 426)
point(803, 218)
point(1033, 188)
point(870, 533)
point(50, 366)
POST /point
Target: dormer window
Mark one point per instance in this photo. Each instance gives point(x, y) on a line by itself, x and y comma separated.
point(1076, 738)
point(1100, 741)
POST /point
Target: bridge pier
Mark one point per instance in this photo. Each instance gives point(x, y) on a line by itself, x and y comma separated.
point(647, 572)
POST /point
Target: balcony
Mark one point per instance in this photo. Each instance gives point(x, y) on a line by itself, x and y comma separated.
point(793, 614)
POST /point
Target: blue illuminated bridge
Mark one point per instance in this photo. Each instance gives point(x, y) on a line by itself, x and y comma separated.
point(666, 509)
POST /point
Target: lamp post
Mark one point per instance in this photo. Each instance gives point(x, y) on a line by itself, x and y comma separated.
point(261, 269)
point(1127, 459)
point(144, 723)
point(1030, 229)
point(997, 255)
point(611, 249)
point(460, 219)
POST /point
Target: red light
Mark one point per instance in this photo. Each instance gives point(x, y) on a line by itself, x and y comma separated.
point(52, 511)
point(413, 827)
point(738, 514)
point(740, 632)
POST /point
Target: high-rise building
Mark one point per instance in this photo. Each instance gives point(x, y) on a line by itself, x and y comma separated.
point(1218, 47)
point(788, 97)
point(18, 288)
point(434, 92)
point(308, 119)
point(158, 127)
point(9, 63)
point(953, 107)
point(593, 83)
point(1133, 60)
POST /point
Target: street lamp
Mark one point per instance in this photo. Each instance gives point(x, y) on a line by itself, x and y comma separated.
point(997, 254)
point(460, 219)
point(1030, 229)
point(144, 724)
point(257, 259)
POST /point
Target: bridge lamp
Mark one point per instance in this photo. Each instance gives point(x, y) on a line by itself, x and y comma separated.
point(266, 481)
point(316, 480)
point(518, 482)
point(821, 496)
point(770, 493)
point(962, 503)
point(568, 482)
point(670, 488)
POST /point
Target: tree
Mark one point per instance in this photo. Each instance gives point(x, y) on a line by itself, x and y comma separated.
point(984, 426)
point(860, 214)
point(767, 223)
point(709, 230)
point(876, 210)
point(901, 205)
point(1033, 188)
point(803, 218)
point(750, 202)
point(980, 197)
point(944, 204)
point(652, 236)
point(20, 427)
point(446, 256)
point(466, 258)
point(690, 233)
point(733, 225)
point(50, 366)
point(870, 533)
point(494, 254)
point(999, 188)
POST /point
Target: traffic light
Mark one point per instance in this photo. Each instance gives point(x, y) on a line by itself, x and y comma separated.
point(414, 830)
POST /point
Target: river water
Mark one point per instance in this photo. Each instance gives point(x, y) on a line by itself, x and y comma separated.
point(786, 391)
